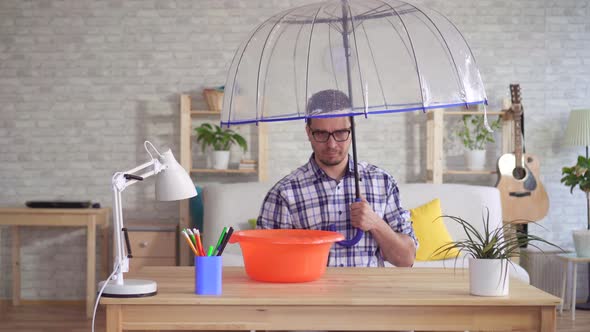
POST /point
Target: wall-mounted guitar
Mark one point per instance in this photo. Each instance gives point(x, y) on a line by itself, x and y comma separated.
point(522, 194)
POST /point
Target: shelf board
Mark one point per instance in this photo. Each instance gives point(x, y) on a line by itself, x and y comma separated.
point(204, 112)
point(465, 171)
point(472, 113)
point(223, 171)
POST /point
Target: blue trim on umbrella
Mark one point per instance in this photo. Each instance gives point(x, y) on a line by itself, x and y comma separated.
point(303, 117)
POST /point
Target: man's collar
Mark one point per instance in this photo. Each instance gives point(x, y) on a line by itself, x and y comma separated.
point(317, 170)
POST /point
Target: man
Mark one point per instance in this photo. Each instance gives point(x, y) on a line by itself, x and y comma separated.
point(322, 193)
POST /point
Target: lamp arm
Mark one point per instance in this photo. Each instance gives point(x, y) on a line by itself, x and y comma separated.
point(120, 181)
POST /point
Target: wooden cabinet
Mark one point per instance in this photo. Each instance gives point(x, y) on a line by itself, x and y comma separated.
point(435, 127)
point(152, 245)
point(188, 117)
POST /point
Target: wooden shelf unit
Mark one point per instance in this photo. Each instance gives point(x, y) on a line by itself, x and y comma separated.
point(187, 114)
point(435, 140)
point(196, 113)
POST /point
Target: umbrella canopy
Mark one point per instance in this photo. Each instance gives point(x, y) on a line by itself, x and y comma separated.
point(388, 56)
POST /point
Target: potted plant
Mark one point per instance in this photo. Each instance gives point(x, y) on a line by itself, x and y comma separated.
point(220, 140)
point(579, 176)
point(489, 253)
point(475, 136)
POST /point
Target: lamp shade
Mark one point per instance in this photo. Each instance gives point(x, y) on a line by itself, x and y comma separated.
point(173, 183)
point(578, 128)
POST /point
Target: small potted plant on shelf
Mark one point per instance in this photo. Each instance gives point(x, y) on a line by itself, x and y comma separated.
point(579, 176)
point(220, 140)
point(475, 137)
point(489, 252)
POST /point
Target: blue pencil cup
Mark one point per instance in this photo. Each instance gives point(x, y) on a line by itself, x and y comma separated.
point(208, 277)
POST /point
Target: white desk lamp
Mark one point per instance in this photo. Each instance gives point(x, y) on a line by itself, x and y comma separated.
point(172, 183)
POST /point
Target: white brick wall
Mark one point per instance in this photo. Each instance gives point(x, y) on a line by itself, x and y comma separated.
point(83, 83)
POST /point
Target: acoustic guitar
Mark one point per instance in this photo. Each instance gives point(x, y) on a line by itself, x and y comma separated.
point(523, 196)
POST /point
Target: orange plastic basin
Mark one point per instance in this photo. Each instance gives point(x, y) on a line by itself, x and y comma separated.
point(285, 255)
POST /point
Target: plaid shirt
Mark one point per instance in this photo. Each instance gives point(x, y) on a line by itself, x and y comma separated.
point(309, 199)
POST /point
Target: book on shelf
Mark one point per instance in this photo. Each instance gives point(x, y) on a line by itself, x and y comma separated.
point(247, 164)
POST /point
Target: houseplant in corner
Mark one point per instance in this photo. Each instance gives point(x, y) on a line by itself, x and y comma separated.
point(475, 136)
point(220, 140)
point(489, 252)
point(579, 176)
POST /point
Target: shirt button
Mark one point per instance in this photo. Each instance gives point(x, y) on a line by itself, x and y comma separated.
point(339, 212)
point(341, 265)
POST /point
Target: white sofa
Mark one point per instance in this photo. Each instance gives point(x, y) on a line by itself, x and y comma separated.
point(233, 204)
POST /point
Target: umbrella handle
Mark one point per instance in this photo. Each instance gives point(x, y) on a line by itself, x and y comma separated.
point(352, 241)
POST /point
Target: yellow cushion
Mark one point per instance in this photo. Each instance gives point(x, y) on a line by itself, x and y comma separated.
point(431, 234)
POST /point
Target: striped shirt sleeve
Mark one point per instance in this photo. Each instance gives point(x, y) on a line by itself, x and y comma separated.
point(274, 212)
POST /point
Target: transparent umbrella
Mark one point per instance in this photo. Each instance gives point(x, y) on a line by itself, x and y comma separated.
point(388, 56)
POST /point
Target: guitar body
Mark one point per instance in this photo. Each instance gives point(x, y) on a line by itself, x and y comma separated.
point(523, 196)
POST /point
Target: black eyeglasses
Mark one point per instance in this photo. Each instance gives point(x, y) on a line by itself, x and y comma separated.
point(323, 136)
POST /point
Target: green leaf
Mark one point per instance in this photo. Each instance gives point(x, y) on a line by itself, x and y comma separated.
point(578, 175)
point(218, 138)
point(497, 243)
point(473, 133)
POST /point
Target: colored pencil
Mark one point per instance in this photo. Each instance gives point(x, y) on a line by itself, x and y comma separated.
point(225, 241)
point(191, 235)
point(190, 243)
point(199, 243)
point(221, 237)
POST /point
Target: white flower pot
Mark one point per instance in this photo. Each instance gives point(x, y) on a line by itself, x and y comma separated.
point(488, 277)
point(475, 160)
point(220, 159)
point(582, 242)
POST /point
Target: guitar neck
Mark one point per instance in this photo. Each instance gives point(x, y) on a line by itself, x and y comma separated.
point(518, 135)
point(517, 113)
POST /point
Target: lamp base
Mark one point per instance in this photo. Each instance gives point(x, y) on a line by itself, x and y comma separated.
point(130, 288)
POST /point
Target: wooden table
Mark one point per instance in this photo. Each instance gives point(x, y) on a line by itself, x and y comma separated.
point(570, 259)
point(88, 218)
point(342, 299)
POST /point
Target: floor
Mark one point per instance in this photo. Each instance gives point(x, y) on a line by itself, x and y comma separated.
point(59, 317)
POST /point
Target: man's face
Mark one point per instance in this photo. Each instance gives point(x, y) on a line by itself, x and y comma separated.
point(330, 152)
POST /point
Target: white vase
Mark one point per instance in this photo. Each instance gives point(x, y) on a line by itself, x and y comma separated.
point(582, 242)
point(475, 160)
point(220, 159)
point(488, 277)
